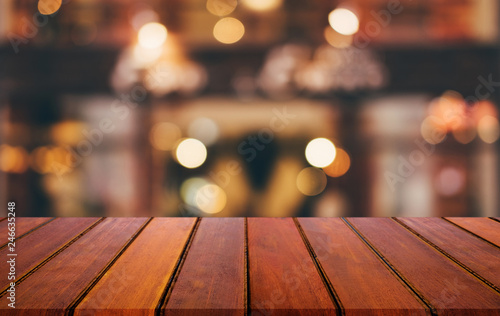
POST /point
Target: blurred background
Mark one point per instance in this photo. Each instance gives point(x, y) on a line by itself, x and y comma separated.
point(250, 107)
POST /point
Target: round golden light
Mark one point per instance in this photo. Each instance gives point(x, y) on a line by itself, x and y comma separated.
point(228, 30)
point(320, 152)
point(221, 7)
point(191, 153)
point(343, 21)
point(48, 7)
point(340, 165)
point(488, 129)
point(311, 181)
point(152, 35)
point(13, 159)
point(211, 199)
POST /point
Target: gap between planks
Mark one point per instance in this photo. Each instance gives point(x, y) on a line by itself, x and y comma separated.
point(416, 293)
point(447, 255)
point(472, 233)
point(496, 219)
point(29, 231)
point(177, 269)
point(247, 271)
point(53, 255)
point(71, 308)
point(326, 281)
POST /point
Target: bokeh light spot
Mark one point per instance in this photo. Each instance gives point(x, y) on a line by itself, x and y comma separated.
point(311, 181)
point(47, 7)
point(13, 159)
point(191, 153)
point(488, 129)
point(340, 164)
point(449, 181)
point(343, 21)
point(152, 35)
point(228, 30)
point(211, 199)
point(320, 152)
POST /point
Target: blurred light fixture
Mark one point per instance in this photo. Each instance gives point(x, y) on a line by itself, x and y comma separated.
point(320, 152)
point(211, 199)
point(164, 136)
point(47, 7)
point(488, 129)
point(221, 7)
point(204, 129)
point(262, 5)
point(191, 153)
point(152, 35)
point(276, 77)
point(311, 181)
point(289, 68)
point(343, 21)
point(340, 164)
point(228, 30)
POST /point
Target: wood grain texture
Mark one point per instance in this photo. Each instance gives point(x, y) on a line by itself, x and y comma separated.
point(479, 256)
point(355, 271)
point(448, 287)
point(135, 283)
point(43, 242)
point(483, 227)
point(53, 287)
point(23, 225)
point(283, 277)
point(212, 278)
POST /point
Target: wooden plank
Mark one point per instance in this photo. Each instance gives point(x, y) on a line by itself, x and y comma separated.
point(479, 256)
point(23, 225)
point(482, 227)
point(212, 278)
point(283, 277)
point(43, 242)
point(138, 278)
point(54, 286)
point(355, 271)
point(448, 287)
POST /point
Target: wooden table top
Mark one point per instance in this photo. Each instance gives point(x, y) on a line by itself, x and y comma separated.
point(253, 266)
